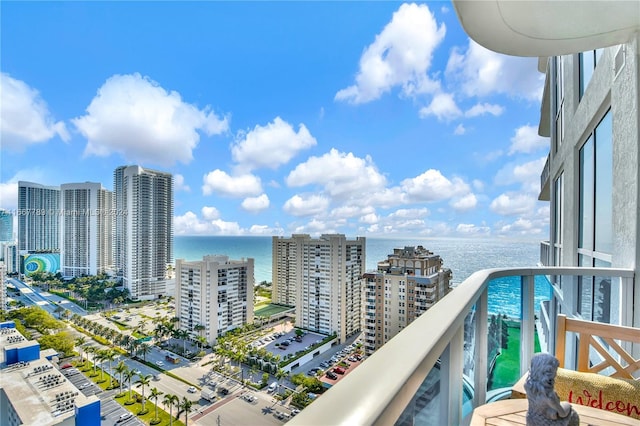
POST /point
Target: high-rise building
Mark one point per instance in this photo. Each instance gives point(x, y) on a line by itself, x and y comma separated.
point(10, 257)
point(286, 262)
point(406, 284)
point(38, 218)
point(3, 288)
point(6, 227)
point(214, 295)
point(86, 229)
point(324, 278)
point(143, 230)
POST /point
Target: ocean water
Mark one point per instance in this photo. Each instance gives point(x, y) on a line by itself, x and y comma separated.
point(462, 256)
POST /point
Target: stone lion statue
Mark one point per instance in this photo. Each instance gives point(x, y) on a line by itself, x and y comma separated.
point(545, 408)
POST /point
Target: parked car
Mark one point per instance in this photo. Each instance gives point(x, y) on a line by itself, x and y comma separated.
point(223, 391)
point(339, 370)
point(294, 412)
point(124, 417)
point(331, 375)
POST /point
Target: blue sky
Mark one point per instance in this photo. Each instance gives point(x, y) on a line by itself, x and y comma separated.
point(364, 118)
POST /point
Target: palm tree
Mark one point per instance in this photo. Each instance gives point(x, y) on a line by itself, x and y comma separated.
point(144, 350)
point(199, 328)
point(91, 350)
point(184, 335)
point(185, 405)
point(121, 369)
point(280, 374)
point(79, 342)
point(169, 401)
point(142, 382)
point(110, 356)
point(202, 341)
point(155, 394)
point(128, 376)
point(98, 358)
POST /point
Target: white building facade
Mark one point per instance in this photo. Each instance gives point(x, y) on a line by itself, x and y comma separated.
point(86, 229)
point(324, 277)
point(216, 293)
point(591, 179)
point(38, 218)
point(143, 230)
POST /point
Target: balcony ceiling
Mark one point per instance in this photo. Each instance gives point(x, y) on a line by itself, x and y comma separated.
point(548, 28)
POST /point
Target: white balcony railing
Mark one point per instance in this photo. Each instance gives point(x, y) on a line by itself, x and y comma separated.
point(421, 375)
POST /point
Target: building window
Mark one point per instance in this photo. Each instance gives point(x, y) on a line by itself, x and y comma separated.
point(595, 241)
point(596, 185)
point(558, 70)
point(587, 62)
point(558, 196)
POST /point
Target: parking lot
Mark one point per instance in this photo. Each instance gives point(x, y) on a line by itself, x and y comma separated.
point(288, 343)
point(110, 411)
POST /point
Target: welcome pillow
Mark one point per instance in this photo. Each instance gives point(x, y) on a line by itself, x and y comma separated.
point(620, 396)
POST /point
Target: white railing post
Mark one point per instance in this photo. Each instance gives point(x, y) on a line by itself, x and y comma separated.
point(527, 325)
point(481, 351)
point(451, 365)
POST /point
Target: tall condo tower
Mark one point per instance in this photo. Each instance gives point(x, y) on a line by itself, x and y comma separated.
point(6, 227)
point(214, 295)
point(405, 285)
point(323, 278)
point(38, 218)
point(86, 229)
point(143, 230)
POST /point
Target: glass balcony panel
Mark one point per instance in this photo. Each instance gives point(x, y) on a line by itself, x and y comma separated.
point(413, 392)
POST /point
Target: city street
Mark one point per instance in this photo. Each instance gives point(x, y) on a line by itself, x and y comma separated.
point(46, 301)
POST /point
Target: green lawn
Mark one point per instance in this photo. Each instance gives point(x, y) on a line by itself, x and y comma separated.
point(507, 369)
point(150, 409)
point(270, 309)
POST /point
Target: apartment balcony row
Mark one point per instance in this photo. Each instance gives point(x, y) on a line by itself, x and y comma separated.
point(441, 366)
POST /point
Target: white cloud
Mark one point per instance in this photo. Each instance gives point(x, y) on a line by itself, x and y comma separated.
point(484, 108)
point(210, 213)
point(469, 229)
point(221, 183)
point(478, 185)
point(526, 140)
point(9, 195)
point(265, 230)
point(178, 183)
point(464, 203)
point(135, 117)
point(308, 205)
point(409, 214)
point(370, 218)
point(26, 119)
point(316, 227)
point(527, 174)
point(342, 175)
point(256, 204)
point(481, 72)
point(400, 56)
point(460, 130)
point(510, 203)
point(9, 189)
point(190, 224)
point(348, 211)
point(433, 186)
point(271, 146)
point(442, 106)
